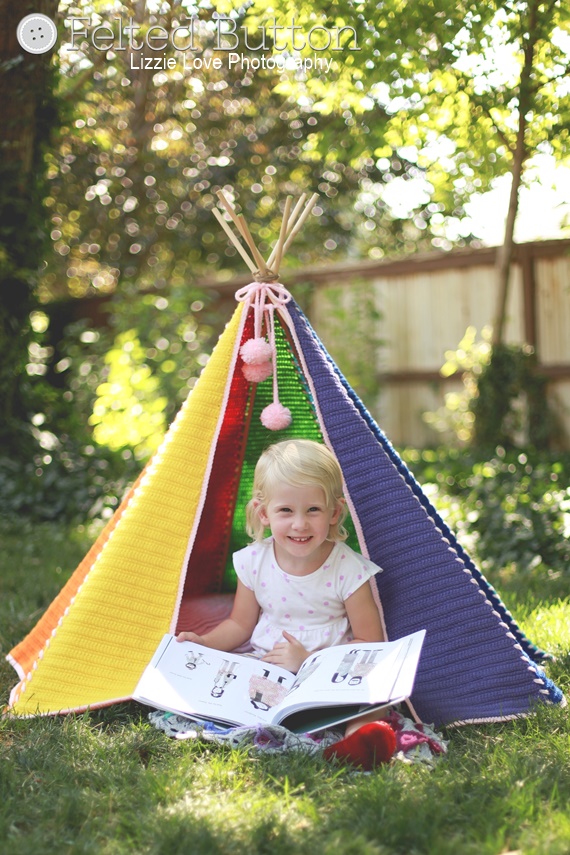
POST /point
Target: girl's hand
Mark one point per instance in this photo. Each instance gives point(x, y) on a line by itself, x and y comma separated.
point(289, 654)
point(190, 636)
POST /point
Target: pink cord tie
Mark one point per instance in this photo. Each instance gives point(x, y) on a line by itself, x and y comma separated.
point(260, 356)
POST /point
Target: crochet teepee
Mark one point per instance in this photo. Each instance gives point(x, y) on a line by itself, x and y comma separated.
point(164, 560)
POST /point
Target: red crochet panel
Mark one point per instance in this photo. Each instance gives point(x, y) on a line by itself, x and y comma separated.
point(205, 569)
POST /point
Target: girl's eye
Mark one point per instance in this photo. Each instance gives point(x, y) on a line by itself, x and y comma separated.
point(314, 510)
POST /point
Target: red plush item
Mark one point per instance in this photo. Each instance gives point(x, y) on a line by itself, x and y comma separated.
point(366, 748)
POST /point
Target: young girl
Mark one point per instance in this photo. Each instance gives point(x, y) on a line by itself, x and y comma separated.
point(303, 588)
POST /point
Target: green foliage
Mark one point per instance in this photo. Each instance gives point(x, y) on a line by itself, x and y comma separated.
point(511, 512)
point(455, 417)
point(504, 397)
point(94, 418)
point(134, 173)
point(443, 86)
point(128, 410)
point(348, 319)
point(64, 481)
point(176, 329)
point(130, 183)
point(511, 406)
point(30, 113)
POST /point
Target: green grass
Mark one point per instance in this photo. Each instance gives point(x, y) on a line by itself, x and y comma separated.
point(108, 783)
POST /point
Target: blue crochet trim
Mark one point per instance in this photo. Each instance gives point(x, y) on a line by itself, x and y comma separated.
point(555, 694)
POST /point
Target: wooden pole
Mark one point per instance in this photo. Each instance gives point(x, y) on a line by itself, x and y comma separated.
point(290, 224)
point(282, 234)
point(251, 243)
point(241, 226)
point(234, 240)
point(308, 208)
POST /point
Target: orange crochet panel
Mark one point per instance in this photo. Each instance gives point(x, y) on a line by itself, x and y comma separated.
point(24, 654)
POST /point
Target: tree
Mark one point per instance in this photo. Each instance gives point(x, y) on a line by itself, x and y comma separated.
point(470, 90)
point(28, 114)
point(134, 174)
point(132, 179)
point(541, 113)
point(131, 175)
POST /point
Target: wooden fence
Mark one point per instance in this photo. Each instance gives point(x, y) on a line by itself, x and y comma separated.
point(388, 324)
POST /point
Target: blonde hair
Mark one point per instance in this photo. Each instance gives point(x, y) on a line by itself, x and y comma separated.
point(298, 463)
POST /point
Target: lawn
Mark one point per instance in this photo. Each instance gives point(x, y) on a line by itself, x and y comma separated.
point(108, 783)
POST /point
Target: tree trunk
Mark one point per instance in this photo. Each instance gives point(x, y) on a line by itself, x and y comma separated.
point(27, 114)
point(505, 252)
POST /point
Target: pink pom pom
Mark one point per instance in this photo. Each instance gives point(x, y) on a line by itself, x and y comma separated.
point(256, 350)
point(257, 373)
point(275, 417)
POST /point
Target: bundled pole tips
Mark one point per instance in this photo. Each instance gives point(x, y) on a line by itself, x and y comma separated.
point(264, 295)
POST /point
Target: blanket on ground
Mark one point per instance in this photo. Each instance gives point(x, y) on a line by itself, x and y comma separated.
point(416, 743)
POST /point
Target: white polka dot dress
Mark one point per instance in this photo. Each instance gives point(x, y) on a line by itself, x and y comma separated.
point(311, 607)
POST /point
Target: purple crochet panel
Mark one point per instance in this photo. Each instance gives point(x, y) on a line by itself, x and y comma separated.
point(472, 666)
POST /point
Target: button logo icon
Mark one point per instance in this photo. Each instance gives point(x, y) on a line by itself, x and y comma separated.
point(36, 33)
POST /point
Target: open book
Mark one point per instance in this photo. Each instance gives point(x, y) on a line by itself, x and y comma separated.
point(333, 685)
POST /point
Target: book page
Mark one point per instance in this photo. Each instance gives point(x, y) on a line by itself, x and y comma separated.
point(350, 674)
point(190, 679)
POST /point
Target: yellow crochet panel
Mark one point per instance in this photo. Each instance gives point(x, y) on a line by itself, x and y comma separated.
point(114, 613)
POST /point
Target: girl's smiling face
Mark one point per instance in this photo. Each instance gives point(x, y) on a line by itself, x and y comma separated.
point(300, 520)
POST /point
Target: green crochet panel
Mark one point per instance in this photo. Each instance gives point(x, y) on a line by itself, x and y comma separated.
point(294, 393)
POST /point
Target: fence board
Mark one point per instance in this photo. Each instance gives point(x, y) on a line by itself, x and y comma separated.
point(425, 308)
point(553, 321)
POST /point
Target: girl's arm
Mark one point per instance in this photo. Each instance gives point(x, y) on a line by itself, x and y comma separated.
point(363, 615)
point(236, 629)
